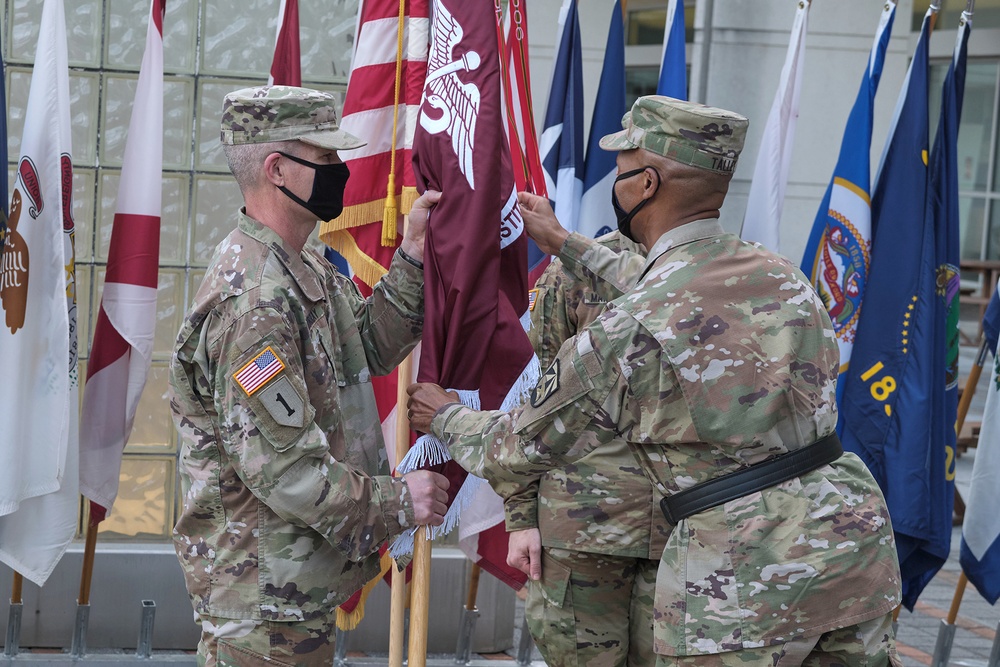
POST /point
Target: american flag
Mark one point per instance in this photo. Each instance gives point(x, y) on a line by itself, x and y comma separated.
point(262, 368)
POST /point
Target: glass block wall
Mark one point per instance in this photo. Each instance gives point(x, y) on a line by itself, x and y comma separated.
point(210, 48)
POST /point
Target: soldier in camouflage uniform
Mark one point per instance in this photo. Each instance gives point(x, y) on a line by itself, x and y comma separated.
point(720, 359)
point(286, 490)
point(601, 533)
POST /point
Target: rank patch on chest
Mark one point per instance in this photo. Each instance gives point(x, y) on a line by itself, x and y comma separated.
point(259, 371)
point(532, 298)
point(548, 385)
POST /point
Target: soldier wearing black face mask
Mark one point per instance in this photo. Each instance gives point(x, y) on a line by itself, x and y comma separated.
point(287, 493)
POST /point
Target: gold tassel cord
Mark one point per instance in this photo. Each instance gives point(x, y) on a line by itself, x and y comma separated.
point(391, 212)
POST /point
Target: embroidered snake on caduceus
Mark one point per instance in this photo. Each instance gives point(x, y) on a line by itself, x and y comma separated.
point(457, 102)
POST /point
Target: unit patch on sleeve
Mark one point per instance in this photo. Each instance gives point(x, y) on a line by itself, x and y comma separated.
point(261, 369)
point(548, 385)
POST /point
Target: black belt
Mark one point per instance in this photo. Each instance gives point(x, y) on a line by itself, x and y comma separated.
point(749, 480)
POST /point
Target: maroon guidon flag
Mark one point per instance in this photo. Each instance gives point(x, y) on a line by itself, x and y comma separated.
point(475, 261)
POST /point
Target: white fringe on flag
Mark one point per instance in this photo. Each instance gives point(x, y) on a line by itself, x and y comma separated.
point(428, 451)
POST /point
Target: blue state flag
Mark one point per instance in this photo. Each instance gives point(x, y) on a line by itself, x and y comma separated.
point(980, 553)
point(596, 215)
point(673, 70)
point(838, 253)
point(561, 143)
point(943, 211)
point(890, 407)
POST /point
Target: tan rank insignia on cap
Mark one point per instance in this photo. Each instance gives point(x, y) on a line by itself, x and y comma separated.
point(532, 298)
point(261, 370)
point(549, 385)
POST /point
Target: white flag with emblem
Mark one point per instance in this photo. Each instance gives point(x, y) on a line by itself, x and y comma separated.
point(38, 349)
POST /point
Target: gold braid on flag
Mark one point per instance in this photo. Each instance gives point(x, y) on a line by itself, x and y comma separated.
point(349, 621)
point(366, 268)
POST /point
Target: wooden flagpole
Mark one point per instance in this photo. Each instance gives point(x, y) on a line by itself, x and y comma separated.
point(400, 591)
point(420, 607)
point(16, 588)
point(87, 574)
point(963, 410)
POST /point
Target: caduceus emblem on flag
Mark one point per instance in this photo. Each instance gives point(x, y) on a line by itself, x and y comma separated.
point(458, 102)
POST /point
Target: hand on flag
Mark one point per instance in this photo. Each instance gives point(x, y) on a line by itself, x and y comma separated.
point(413, 238)
point(426, 398)
point(541, 223)
point(429, 491)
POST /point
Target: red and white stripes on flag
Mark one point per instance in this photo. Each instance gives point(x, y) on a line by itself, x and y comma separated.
point(39, 444)
point(518, 112)
point(286, 67)
point(382, 187)
point(766, 200)
point(123, 338)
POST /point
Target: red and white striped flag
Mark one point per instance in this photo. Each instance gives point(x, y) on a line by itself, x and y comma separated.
point(123, 338)
point(286, 67)
point(518, 112)
point(384, 51)
point(382, 187)
point(39, 446)
point(370, 112)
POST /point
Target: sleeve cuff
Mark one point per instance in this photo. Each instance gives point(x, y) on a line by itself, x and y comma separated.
point(575, 249)
point(397, 504)
point(520, 514)
point(410, 260)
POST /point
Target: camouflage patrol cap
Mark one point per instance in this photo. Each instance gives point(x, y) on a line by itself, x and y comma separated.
point(685, 132)
point(283, 113)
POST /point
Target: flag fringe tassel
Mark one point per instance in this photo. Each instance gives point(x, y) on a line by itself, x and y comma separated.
point(366, 213)
point(348, 621)
point(428, 451)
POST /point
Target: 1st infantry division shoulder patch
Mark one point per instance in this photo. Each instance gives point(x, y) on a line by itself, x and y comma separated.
point(259, 371)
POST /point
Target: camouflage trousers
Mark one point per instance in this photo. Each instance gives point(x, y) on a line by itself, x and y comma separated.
point(868, 644)
point(243, 643)
point(592, 610)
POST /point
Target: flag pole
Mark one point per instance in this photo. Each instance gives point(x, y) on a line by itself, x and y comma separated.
point(79, 646)
point(946, 635)
point(420, 608)
point(13, 642)
point(470, 614)
point(399, 591)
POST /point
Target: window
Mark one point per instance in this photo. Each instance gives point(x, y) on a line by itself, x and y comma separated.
point(978, 156)
point(644, 27)
point(210, 47)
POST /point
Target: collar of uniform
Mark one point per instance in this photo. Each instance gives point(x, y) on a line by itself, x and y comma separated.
point(304, 276)
point(678, 236)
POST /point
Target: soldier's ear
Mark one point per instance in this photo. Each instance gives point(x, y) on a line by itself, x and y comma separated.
point(274, 169)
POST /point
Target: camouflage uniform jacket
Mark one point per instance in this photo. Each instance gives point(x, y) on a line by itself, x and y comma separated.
point(720, 357)
point(286, 490)
point(602, 503)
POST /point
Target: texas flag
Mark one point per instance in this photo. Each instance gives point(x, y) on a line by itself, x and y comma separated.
point(123, 339)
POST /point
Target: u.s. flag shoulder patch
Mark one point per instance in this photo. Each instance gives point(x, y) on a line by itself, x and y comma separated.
point(259, 371)
point(532, 298)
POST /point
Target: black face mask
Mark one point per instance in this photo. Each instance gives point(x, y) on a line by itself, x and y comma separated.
point(327, 198)
point(625, 217)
